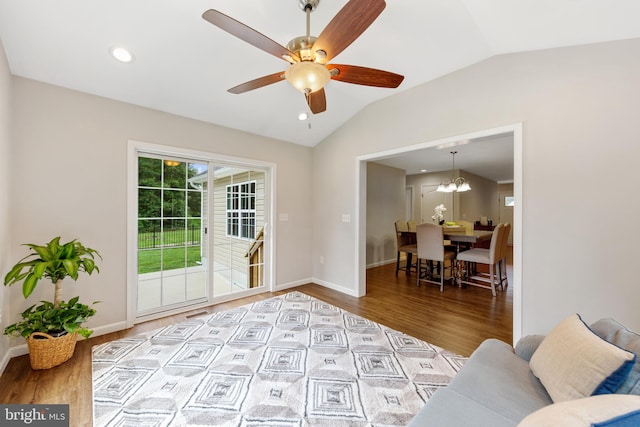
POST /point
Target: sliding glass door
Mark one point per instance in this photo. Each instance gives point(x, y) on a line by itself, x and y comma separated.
point(200, 232)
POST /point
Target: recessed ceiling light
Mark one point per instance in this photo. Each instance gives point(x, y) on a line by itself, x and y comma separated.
point(423, 170)
point(302, 116)
point(121, 54)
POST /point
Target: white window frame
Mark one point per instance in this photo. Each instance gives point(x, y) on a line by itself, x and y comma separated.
point(245, 216)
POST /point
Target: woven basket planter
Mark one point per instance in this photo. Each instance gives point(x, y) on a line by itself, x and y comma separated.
point(47, 351)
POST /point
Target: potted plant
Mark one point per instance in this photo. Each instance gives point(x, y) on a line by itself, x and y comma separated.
point(51, 328)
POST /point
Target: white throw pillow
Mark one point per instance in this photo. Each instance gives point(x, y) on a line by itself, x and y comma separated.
point(572, 362)
point(605, 410)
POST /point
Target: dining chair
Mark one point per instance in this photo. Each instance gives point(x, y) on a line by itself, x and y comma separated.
point(504, 248)
point(411, 225)
point(406, 245)
point(430, 241)
point(489, 257)
point(468, 229)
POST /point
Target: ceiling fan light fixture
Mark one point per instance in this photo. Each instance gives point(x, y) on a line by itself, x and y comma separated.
point(307, 76)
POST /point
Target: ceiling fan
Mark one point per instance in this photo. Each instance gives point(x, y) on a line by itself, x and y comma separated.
point(308, 56)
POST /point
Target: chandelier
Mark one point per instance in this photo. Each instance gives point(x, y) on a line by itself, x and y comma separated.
point(454, 184)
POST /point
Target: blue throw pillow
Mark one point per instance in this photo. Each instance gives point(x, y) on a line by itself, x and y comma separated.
point(617, 334)
point(632, 419)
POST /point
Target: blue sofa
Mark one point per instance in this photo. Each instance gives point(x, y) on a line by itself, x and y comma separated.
point(497, 388)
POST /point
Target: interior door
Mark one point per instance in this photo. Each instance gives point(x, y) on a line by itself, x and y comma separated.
point(408, 207)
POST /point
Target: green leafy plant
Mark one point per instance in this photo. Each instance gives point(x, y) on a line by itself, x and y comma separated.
point(68, 316)
point(54, 261)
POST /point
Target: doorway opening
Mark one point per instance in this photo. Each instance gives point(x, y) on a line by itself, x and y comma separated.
point(361, 176)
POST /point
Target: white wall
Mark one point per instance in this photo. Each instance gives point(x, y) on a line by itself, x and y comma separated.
point(5, 201)
point(579, 107)
point(385, 205)
point(69, 169)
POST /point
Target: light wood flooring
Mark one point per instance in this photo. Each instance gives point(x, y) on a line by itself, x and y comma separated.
point(456, 319)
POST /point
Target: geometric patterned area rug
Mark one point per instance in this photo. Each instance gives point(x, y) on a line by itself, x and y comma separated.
point(291, 360)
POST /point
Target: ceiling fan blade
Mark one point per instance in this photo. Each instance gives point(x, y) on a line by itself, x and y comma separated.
point(317, 101)
point(351, 21)
point(257, 83)
point(365, 76)
point(248, 34)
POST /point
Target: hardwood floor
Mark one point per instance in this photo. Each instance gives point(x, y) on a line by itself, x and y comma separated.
point(456, 319)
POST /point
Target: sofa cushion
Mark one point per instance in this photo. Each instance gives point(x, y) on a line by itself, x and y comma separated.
point(449, 408)
point(602, 410)
point(619, 335)
point(494, 388)
point(526, 346)
point(573, 362)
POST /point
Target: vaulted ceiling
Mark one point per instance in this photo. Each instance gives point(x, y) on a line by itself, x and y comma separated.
point(184, 65)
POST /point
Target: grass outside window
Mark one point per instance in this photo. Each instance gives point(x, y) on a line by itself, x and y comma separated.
point(154, 260)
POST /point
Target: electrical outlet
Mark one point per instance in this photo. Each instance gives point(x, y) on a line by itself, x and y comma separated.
point(321, 259)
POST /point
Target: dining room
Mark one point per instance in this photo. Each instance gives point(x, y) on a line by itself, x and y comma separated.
point(408, 187)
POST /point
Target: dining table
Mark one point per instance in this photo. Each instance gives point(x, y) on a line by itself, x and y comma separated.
point(468, 238)
point(458, 236)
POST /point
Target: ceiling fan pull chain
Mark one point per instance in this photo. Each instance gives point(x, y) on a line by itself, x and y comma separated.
point(308, 9)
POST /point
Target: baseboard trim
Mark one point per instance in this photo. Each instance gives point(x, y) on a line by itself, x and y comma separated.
point(4, 362)
point(313, 280)
point(350, 292)
point(381, 263)
point(293, 284)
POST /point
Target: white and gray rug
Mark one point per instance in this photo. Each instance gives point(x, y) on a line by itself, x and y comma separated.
point(291, 360)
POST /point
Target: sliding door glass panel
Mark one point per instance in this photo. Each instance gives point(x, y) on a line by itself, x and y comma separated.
point(238, 221)
point(171, 246)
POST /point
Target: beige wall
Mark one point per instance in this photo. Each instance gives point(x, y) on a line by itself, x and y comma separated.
point(481, 201)
point(578, 107)
point(69, 166)
point(385, 205)
point(468, 205)
point(5, 198)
